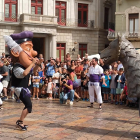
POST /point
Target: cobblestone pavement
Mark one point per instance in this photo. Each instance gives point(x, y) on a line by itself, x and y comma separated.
point(52, 121)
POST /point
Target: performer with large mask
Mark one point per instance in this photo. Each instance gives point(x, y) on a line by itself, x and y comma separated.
point(22, 54)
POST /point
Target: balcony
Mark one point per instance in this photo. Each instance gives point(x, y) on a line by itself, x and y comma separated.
point(38, 19)
point(75, 23)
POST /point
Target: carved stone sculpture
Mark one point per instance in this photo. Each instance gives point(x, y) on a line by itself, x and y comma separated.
point(122, 50)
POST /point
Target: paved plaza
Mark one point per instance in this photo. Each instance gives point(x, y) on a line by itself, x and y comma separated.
point(52, 121)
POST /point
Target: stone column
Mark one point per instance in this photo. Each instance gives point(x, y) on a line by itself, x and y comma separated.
point(46, 49)
point(53, 46)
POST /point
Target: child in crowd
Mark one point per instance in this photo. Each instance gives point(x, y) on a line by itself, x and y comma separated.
point(50, 88)
point(44, 87)
point(56, 81)
point(83, 78)
point(106, 89)
point(120, 80)
point(86, 95)
point(40, 73)
point(113, 84)
point(36, 80)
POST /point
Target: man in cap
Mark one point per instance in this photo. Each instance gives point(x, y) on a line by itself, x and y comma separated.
point(22, 54)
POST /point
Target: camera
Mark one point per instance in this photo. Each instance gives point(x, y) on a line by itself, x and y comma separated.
point(64, 82)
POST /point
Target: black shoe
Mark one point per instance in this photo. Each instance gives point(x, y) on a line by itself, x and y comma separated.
point(23, 128)
point(4, 98)
point(91, 106)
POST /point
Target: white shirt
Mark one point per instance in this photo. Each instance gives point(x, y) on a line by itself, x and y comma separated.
point(56, 75)
point(119, 66)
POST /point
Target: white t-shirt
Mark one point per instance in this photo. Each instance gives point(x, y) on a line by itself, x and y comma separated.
point(119, 66)
point(36, 80)
point(57, 75)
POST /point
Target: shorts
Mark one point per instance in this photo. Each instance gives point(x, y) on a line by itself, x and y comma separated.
point(82, 88)
point(119, 90)
point(5, 83)
point(113, 90)
point(105, 90)
point(12, 88)
point(36, 86)
point(86, 88)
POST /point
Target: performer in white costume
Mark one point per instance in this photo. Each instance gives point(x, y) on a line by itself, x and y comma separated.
point(94, 74)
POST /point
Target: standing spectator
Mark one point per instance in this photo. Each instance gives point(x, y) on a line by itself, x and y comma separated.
point(86, 56)
point(68, 64)
point(120, 80)
point(58, 65)
point(68, 58)
point(50, 88)
point(86, 64)
point(105, 67)
point(119, 65)
point(50, 69)
point(78, 57)
point(73, 65)
point(78, 71)
point(113, 84)
point(36, 80)
point(83, 78)
point(106, 88)
point(4, 71)
point(41, 59)
point(40, 73)
point(3, 56)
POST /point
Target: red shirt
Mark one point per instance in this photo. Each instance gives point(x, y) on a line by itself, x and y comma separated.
point(78, 69)
point(125, 90)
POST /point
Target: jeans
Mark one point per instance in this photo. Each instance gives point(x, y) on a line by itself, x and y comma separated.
point(69, 95)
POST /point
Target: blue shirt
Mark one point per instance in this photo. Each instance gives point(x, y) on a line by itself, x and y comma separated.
point(107, 81)
point(50, 70)
point(41, 75)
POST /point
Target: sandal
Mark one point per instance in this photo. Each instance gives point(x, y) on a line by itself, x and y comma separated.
point(19, 122)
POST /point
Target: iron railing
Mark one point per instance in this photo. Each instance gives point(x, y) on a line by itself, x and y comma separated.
point(75, 23)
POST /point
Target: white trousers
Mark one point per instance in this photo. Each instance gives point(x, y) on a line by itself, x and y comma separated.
point(97, 89)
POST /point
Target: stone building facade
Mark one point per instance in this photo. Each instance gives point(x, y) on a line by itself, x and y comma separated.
point(59, 26)
point(127, 20)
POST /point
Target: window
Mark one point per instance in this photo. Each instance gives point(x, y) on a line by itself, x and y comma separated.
point(82, 15)
point(37, 7)
point(60, 11)
point(133, 25)
point(61, 51)
point(11, 10)
point(106, 18)
point(82, 49)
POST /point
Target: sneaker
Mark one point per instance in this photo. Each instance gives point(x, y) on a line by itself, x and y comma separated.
point(87, 100)
point(121, 103)
point(111, 102)
point(13, 98)
point(71, 102)
point(137, 137)
point(116, 103)
point(50, 98)
point(84, 99)
point(37, 98)
point(33, 98)
point(4, 98)
point(18, 101)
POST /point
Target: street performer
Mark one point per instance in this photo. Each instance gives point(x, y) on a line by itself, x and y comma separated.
point(94, 74)
point(22, 54)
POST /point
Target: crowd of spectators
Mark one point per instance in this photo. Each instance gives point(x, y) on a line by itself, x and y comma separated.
point(68, 80)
